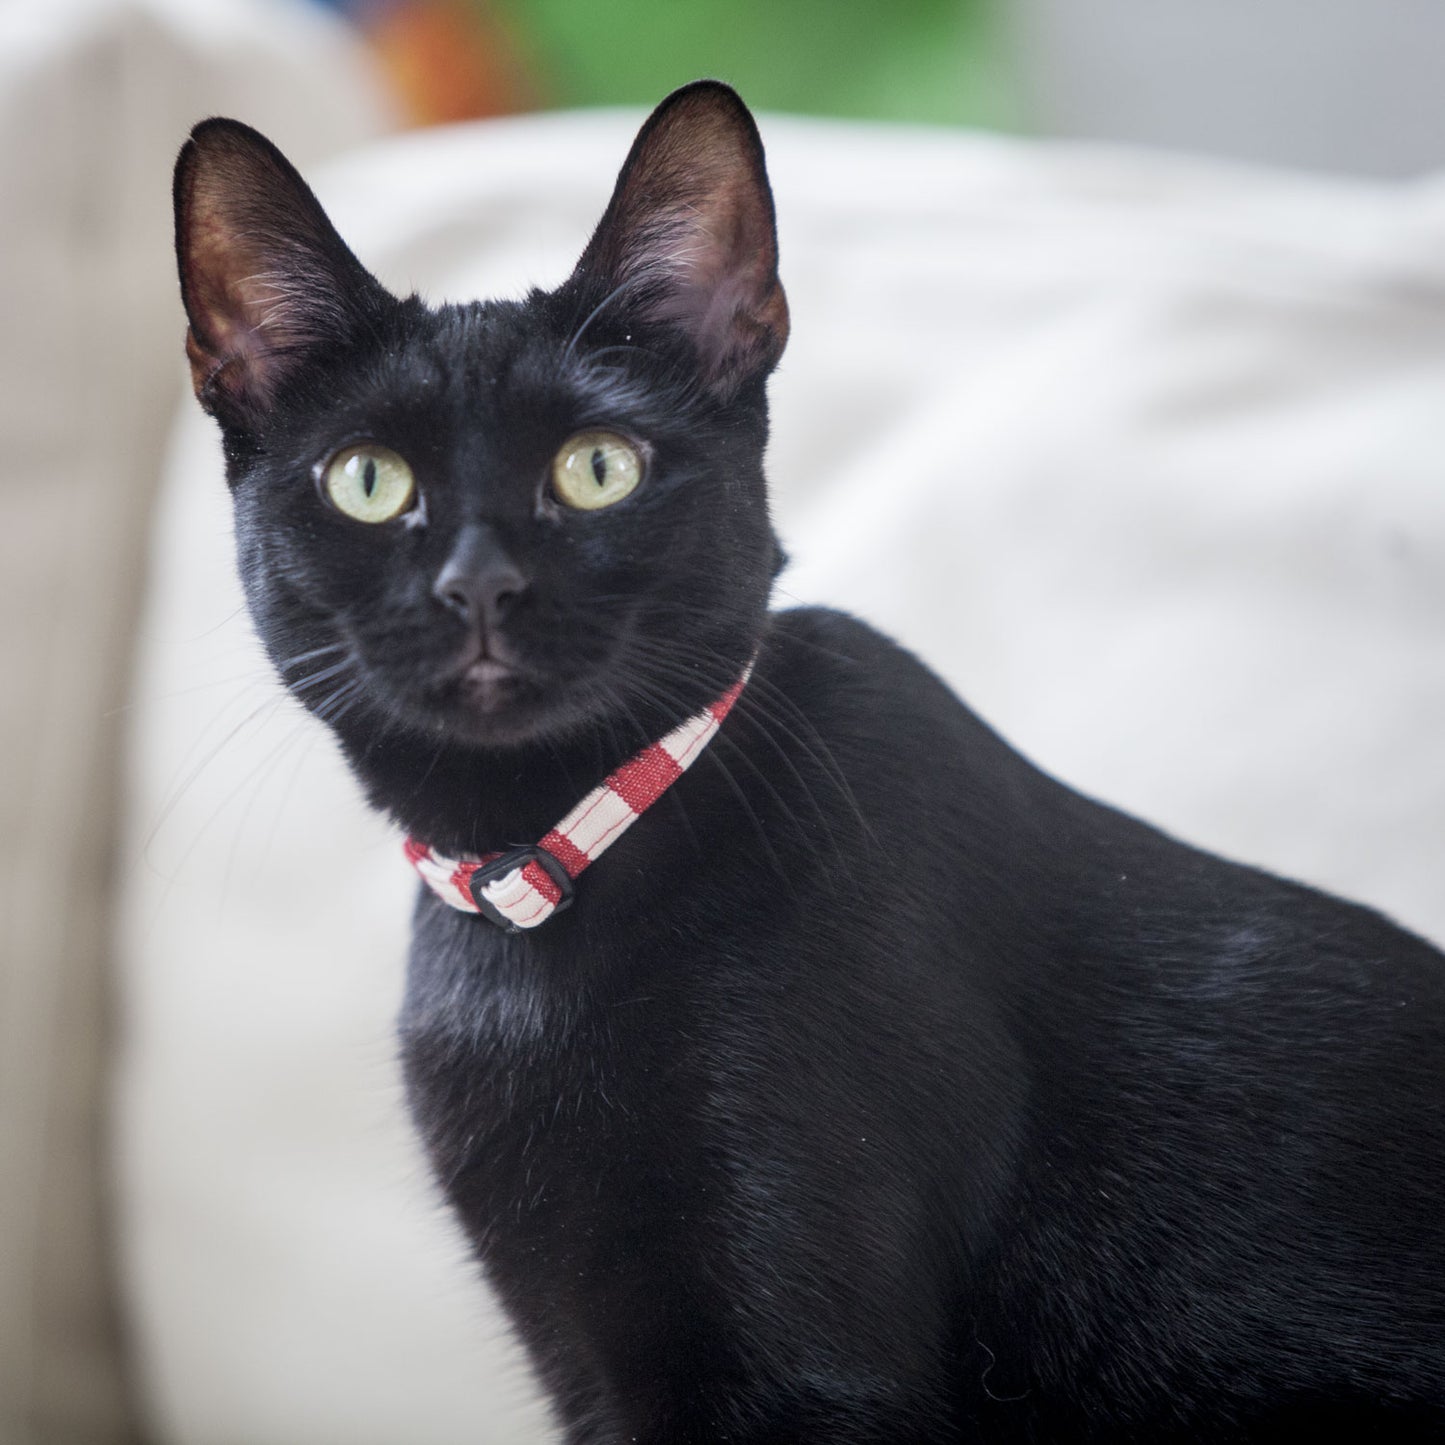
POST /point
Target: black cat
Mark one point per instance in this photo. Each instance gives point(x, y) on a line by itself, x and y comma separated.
point(874, 1086)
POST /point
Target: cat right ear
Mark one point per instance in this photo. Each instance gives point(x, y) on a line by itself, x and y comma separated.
point(265, 278)
point(689, 237)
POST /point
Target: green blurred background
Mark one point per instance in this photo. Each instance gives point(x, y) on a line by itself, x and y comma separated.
point(939, 61)
point(923, 60)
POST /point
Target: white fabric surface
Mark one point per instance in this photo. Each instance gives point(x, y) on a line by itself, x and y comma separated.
point(1144, 455)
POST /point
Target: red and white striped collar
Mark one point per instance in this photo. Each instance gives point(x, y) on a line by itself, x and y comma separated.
point(525, 886)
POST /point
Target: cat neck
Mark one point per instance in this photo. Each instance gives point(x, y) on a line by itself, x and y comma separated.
point(466, 799)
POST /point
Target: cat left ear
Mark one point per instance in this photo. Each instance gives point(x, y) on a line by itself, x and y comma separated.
point(689, 236)
point(264, 276)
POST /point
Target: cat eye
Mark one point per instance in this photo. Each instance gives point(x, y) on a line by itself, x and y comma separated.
point(369, 483)
point(595, 469)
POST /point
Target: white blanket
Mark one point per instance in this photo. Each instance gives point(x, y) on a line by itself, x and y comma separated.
point(1145, 456)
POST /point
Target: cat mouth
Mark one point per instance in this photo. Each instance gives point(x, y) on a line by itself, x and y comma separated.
point(488, 692)
point(489, 683)
point(488, 695)
point(487, 672)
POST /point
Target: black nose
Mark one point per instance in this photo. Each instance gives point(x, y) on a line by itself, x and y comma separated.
point(479, 581)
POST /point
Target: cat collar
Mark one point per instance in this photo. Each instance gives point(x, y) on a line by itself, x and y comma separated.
point(525, 886)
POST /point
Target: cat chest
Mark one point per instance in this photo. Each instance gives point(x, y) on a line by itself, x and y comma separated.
point(578, 1164)
point(549, 1103)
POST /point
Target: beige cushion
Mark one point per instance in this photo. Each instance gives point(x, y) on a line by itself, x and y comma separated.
point(94, 101)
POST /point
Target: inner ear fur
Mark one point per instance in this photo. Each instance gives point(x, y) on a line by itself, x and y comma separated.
point(264, 276)
point(690, 238)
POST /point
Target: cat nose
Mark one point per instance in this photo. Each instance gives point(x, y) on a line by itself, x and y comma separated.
point(479, 582)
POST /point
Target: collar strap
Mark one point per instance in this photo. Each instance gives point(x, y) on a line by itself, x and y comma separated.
point(525, 886)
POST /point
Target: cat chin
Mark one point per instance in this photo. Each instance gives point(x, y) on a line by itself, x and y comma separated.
point(498, 711)
point(491, 707)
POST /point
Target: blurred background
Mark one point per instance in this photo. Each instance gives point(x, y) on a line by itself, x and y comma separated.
point(1341, 85)
point(1208, 236)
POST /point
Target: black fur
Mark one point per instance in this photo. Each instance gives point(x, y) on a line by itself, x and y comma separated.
point(877, 1088)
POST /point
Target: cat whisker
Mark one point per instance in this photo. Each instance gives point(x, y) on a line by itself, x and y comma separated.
point(436, 757)
point(323, 675)
point(326, 648)
point(763, 722)
point(247, 783)
point(337, 703)
point(251, 678)
point(257, 714)
point(299, 741)
point(657, 695)
point(757, 724)
point(607, 350)
point(712, 758)
point(762, 706)
point(760, 702)
point(598, 309)
point(673, 796)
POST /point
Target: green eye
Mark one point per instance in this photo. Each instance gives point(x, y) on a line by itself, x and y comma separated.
point(369, 483)
point(594, 469)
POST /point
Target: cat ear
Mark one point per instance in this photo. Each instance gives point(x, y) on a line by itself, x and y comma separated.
point(264, 277)
point(689, 235)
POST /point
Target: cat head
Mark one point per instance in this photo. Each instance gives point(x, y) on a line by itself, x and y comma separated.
point(509, 521)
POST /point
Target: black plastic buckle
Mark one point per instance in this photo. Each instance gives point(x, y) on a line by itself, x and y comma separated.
point(518, 858)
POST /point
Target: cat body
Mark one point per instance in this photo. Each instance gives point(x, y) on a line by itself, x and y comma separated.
point(875, 1087)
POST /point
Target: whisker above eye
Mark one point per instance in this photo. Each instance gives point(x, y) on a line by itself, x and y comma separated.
point(598, 309)
point(618, 346)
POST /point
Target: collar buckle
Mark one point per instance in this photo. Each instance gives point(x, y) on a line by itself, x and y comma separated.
point(509, 862)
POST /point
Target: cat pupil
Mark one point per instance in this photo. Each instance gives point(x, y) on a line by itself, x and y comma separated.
point(368, 477)
point(599, 465)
